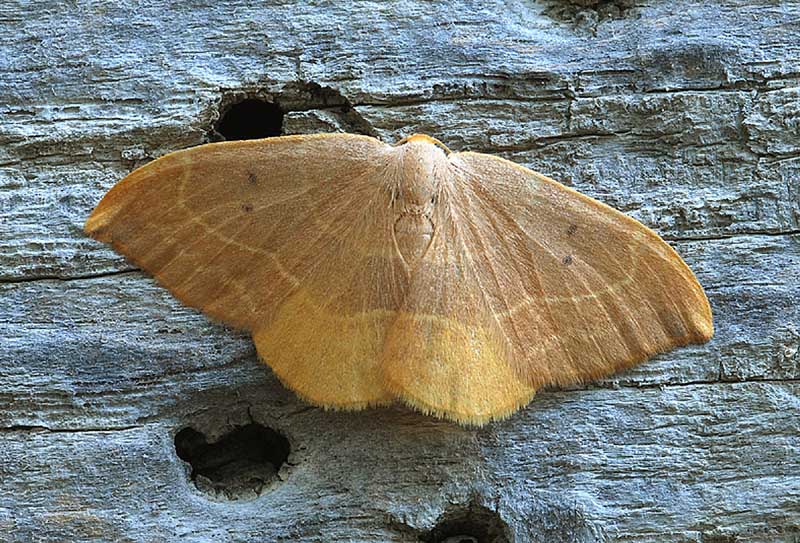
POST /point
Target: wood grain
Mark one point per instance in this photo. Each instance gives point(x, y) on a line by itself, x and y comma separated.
point(679, 114)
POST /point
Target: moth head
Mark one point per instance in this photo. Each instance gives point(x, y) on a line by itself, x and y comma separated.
point(423, 165)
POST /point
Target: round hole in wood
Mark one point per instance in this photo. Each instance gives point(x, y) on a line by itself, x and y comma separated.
point(242, 464)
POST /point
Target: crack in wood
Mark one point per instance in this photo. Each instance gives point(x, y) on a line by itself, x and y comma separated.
point(134, 270)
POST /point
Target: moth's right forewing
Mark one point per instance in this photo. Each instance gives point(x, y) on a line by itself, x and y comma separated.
point(579, 289)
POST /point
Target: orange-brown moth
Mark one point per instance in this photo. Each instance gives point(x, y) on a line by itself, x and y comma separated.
point(459, 283)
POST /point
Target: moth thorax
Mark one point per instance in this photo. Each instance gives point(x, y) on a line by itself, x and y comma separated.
point(423, 165)
point(418, 193)
point(412, 233)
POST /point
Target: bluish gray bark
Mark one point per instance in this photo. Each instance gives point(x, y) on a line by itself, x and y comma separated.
point(683, 114)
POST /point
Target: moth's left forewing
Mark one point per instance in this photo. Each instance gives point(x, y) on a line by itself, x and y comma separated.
point(285, 237)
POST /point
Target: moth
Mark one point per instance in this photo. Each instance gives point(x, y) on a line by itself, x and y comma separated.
point(456, 282)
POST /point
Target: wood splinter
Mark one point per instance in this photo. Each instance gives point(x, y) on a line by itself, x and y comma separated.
point(459, 283)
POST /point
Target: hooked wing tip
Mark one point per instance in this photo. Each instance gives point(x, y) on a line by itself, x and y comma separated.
point(99, 224)
point(704, 326)
point(94, 225)
point(93, 218)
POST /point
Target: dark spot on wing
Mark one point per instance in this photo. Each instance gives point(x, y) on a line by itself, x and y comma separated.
point(572, 229)
point(247, 208)
point(252, 178)
point(567, 260)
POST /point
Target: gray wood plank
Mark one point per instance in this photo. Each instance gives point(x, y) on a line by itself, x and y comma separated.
point(683, 114)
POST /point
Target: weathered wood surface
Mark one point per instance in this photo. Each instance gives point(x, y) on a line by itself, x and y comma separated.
point(684, 114)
